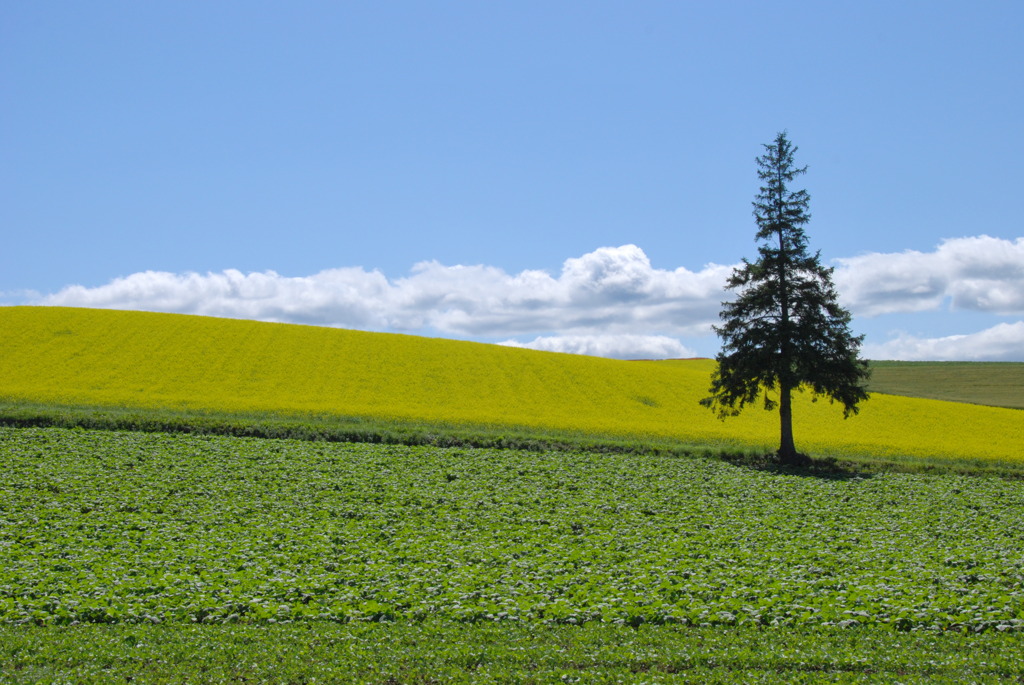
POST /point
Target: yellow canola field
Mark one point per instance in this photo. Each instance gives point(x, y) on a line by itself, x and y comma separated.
point(83, 356)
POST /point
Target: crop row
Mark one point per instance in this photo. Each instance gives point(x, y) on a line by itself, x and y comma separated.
point(129, 527)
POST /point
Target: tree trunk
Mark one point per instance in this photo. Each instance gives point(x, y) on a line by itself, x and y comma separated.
point(787, 450)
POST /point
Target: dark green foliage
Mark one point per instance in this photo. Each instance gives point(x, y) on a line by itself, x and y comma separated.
point(144, 528)
point(189, 558)
point(785, 330)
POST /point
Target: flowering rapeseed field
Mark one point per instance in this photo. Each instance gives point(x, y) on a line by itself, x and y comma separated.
point(139, 359)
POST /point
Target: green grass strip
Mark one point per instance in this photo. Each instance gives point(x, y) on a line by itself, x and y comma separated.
point(334, 428)
point(499, 653)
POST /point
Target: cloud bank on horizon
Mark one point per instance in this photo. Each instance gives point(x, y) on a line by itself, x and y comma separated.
point(610, 302)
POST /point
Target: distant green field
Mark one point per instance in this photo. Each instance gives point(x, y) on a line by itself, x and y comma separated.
point(997, 384)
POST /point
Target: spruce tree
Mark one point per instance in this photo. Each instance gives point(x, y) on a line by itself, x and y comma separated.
point(785, 330)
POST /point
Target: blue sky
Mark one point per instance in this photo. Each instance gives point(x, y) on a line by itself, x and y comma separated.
point(574, 176)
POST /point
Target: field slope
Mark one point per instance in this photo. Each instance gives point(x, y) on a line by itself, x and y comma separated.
point(998, 384)
point(138, 359)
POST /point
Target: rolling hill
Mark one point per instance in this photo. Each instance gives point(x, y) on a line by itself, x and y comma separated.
point(141, 359)
point(996, 384)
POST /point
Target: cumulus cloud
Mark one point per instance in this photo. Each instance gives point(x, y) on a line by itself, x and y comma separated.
point(1003, 342)
point(979, 273)
point(610, 290)
point(613, 346)
point(609, 302)
point(337, 297)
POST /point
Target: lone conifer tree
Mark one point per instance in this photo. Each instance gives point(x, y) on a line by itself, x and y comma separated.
point(785, 330)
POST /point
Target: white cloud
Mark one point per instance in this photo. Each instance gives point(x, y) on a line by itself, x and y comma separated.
point(610, 302)
point(340, 297)
point(1003, 342)
point(613, 346)
point(979, 273)
point(610, 290)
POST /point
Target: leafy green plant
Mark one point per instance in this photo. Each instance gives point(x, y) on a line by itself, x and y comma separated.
point(137, 528)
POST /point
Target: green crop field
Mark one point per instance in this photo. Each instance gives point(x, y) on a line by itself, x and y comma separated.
point(111, 527)
point(156, 534)
point(999, 384)
point(175, 557)
point(136, 359)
